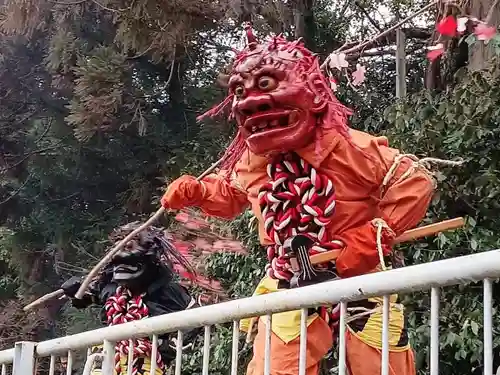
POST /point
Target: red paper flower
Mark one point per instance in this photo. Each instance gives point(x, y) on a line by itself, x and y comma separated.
point(435, 51)
point(447, 26)
point(358, 77)
point(462, 24)
point(485, 32)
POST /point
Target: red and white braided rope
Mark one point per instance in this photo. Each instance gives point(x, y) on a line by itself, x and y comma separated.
point(123, 307)
point(297, 200)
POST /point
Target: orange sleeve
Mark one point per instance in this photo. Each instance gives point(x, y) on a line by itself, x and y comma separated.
point(402, 203)
point(214, 195)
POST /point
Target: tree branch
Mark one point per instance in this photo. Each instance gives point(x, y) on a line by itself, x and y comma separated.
point(491, 11)
point(18, 190)
point(411, 33)
point(28, 155)
point(367, 15)
point(372, 41)
point(44, 132)
point(344, 8)
point(67, 2)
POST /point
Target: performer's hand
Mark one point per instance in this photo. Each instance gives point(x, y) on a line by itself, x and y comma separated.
point(71, 286)
point(360, 254)
point(186, 191)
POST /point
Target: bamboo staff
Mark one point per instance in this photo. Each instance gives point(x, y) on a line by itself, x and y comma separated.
point(409, 235)
point(93, 273)
point(47, 297)
point(131, 235)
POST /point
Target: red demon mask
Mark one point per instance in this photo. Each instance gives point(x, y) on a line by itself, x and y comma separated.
point(279, 98)
point(274, 104)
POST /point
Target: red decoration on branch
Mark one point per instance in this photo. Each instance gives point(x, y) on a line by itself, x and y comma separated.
point(448, 26)
point(485, 32)
point(435, 51)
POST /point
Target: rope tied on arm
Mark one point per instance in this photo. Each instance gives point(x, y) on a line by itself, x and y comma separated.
point(425, 164)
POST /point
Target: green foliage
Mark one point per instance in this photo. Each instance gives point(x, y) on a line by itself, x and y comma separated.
point(99, 92)
point(97, 114)
point(462, 122)
point(220, 353)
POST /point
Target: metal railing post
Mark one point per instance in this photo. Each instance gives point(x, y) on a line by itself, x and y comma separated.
point(386, 310)
point(434, 332)
point(178, 355)
point(206, 351)
point(342, 338)
point(267, 348)
point(24, 358)
point(235, 347)
point(303, 341)
point(488, 326)
point(108, 364)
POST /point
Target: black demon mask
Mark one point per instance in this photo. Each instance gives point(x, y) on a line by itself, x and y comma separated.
point(141, 260)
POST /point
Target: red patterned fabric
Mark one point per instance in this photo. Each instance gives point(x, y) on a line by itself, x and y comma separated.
point(297, 200)
point(124, 307)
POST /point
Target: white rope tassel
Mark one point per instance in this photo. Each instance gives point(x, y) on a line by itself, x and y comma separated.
point(425, 163)
point(381, 225)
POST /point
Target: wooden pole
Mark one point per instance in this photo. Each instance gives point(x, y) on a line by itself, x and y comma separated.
point(400, 64)
point(409, 235)
point(45, 298)
point(109, 256)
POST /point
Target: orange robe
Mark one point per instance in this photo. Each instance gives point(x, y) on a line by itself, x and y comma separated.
point(357, 168)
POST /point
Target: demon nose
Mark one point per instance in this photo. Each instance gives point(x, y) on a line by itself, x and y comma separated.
point(253, 104)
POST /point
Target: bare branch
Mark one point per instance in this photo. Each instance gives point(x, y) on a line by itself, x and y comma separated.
point(26, 117)
point(82, 249)
point(105, 7)
point(18, 190)
point(371, 41)
point(83, 1)
point(44, 132)
point(171, 69)
point(411, 33)
point(143, 52)
point(491, 11)
point(367, 15)
point(68, 2)
point(63, 198)
point(344, 8)
point(28, 155)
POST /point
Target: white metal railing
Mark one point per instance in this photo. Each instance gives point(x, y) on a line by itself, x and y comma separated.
point(484, 266)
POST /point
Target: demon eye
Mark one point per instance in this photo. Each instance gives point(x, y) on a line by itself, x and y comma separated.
point(267, 83)
point(239, 91)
